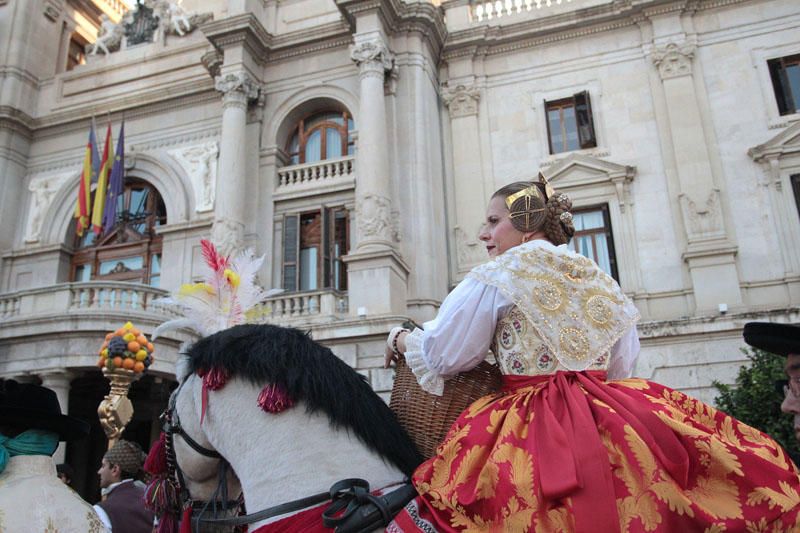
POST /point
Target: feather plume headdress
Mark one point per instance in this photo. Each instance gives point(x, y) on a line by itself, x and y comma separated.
point(223, 299)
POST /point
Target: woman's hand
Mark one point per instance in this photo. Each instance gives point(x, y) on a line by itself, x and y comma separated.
point(395, 345)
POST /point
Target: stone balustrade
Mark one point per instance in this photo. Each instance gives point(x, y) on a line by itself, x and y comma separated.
point(331, 172)
point(66, 298)
point(290, 308)
point(485, 10)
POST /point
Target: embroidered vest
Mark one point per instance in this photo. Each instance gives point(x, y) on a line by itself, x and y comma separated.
point(519, 351)
point(567, 312)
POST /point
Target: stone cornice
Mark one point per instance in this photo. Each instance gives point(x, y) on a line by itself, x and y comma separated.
point(332, 35)
point(399, 16)
point(244, 30)
point(486, 39)
point(15, 120)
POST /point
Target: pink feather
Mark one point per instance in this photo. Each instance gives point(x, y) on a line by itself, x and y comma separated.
point(213, 258)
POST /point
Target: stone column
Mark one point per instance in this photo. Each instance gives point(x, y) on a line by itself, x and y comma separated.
point(375, 226)
point(462, 99)
point(377, 275)
point(237, 89)
point(709, 253)
point(59, 382)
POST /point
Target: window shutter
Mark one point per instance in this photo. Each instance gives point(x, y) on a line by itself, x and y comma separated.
point(583, 115)
point(780, 84)
point(291, 247)
point(325, 247)
point(547, 122)
point(612, 255)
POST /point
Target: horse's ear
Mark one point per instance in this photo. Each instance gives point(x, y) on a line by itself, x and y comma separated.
point(183, 365)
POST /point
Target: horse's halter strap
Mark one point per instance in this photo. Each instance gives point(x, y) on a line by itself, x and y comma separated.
point(172, 425)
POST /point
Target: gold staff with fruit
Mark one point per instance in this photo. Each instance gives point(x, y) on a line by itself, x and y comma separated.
point(124, 356)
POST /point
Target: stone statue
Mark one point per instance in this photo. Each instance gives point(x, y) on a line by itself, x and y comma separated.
point(109, 37)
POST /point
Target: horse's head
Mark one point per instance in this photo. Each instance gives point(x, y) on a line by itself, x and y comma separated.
point(201, 469)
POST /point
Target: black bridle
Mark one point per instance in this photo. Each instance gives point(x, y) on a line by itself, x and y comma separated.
point(219, 501)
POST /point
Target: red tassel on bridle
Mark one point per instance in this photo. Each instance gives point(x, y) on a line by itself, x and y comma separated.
point(274, 399)
point(214, 379)
point(156, 462)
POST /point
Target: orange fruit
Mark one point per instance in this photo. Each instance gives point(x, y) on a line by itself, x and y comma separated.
point(128, 363)
point(101, 362)
point(120, 332)
point(134, 346)
point(136, 332)
point(150, 347)
point(109, 335)
point(117, 361)
point(138, 367)
point(141, 339)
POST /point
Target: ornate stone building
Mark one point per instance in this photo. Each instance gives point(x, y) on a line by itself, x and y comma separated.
point(356, 142)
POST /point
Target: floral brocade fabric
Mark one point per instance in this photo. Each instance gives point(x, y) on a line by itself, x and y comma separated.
point(571, 452)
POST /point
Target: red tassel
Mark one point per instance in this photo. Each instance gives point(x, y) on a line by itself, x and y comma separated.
point(274, 399)
point(215, 378)
point(156, 462)
point(186, 520)
point(161, 497)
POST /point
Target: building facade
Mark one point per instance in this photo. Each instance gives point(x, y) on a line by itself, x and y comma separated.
point(356, 142)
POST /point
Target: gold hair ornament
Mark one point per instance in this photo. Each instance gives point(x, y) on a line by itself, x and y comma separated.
point(528, 194)
point(548, 189)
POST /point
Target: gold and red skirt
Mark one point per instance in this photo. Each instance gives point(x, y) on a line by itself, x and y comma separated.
point(572, 452)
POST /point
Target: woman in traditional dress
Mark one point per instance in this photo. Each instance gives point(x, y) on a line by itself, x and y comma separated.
point(570, 444)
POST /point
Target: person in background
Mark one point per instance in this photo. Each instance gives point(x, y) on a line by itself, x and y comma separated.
point(123, 510)
point(65, 473)
point(31, 496)
point(783, 340)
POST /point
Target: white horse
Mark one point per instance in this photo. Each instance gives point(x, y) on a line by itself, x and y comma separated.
point(333, 426)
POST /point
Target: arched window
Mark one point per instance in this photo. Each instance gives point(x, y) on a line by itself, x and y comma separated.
point(131, 251)
point(323, 135)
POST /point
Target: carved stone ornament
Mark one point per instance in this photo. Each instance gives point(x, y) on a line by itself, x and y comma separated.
point(703, 221)
point(462, 101)
point(237, 87)
point(42, 189)
point(469, 250)
point(674, 60)
point(372, 56)
point(227, 235)
point(200, 164)
point(374, 217)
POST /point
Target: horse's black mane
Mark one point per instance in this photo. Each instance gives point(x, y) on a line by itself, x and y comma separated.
point(311, 373)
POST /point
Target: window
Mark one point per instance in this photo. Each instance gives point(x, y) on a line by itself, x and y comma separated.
point(132, 250)
point(796, 189)
point(785, 74)
point(593, 237)
point(76, 53)
point(569, 123)
point(313, 245)
point(325, 135)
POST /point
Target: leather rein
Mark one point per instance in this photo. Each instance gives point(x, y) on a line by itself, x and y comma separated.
point(172, 427)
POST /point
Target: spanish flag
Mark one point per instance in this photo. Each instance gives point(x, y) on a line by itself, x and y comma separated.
point(83, 205)
point(101, 191)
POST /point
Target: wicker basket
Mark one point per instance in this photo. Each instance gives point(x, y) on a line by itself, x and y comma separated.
point(427, 417)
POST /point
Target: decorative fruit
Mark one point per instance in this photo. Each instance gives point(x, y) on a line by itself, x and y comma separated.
point(117, 361)
point(150, 347)
point(134, 346)
point(110, 364)
point(128, 337)
point(101, 362)
point(138, 367)
point(128, 363)
point(141, 339)
point(128, 326)
point(109, 335)
point(104, 352)
point(141, 355)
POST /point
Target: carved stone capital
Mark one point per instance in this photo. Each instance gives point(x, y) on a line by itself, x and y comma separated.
point(703, 220)
point(372, 57)
point(237, 88)
point(461, 100)
point(674, 60)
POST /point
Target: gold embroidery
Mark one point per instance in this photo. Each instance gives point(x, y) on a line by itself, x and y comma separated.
point(574, 343)
point(787, 498)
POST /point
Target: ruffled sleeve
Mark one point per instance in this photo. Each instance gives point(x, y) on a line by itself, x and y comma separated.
point(458, 338)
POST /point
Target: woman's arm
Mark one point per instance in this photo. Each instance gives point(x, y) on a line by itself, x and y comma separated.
point(456, 340)
point(623, 355)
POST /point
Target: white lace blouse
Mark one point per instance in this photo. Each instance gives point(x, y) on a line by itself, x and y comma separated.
point(458, 338)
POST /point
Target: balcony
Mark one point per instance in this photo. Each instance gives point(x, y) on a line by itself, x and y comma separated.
point(316, 178)
point(301, 308)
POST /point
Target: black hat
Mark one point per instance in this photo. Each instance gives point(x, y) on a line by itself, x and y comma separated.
point(780, 339)
point(28, 406)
